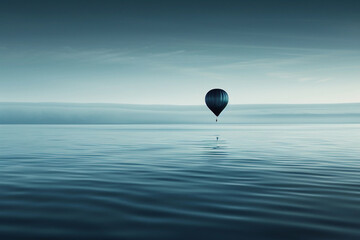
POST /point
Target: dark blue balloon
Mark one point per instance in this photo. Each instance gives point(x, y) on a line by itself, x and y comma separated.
point(216, 100)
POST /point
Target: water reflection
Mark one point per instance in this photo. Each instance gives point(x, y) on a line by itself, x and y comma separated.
point(215, 148)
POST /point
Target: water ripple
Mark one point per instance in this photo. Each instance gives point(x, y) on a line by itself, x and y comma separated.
point(179, 181)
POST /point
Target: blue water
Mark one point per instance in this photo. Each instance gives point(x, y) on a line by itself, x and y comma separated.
point(179, 182)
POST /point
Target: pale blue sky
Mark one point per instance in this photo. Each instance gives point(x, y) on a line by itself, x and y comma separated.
point(173, 53)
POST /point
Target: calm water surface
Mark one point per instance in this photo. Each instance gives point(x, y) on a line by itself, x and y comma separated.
point(178, 182)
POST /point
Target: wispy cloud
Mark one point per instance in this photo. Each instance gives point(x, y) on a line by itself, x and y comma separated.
point(217, 62)
point(298, 77)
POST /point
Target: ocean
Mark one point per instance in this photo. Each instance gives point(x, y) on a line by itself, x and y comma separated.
point(180, 181)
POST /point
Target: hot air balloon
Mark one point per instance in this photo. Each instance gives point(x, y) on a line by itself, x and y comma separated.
point(216, 100)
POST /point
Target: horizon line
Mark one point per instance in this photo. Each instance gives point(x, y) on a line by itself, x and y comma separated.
point(190, 105)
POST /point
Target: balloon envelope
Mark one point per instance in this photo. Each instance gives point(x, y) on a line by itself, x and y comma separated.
point(216, 100)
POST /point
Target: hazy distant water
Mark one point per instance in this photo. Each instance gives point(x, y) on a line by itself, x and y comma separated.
point(178, 182)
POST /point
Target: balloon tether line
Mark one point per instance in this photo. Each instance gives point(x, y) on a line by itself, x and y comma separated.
point(217, 138)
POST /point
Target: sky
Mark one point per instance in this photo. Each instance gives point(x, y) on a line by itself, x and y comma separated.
point(173, 52)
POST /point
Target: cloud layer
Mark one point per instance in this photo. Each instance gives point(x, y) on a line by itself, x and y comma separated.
point(71, 113)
